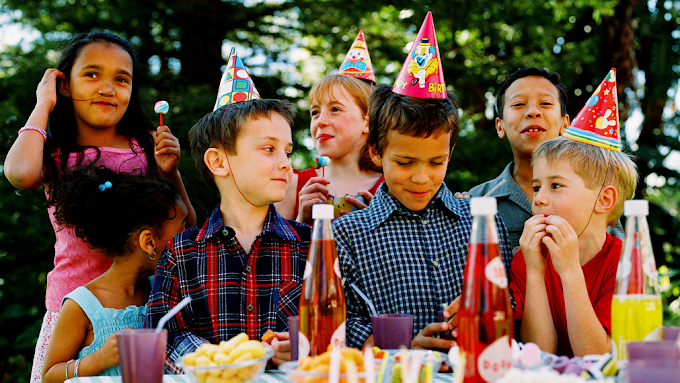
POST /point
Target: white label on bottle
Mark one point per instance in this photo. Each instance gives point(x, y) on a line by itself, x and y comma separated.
point(308, 270)
point(303, 346)
point(495, 272)
point(624, 269)
point(336, 267)
point(649, 268)
point(338, 338)
point(495, 360)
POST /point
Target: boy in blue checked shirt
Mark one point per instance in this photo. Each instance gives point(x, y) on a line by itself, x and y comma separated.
point(407, 250)
point(243, 268)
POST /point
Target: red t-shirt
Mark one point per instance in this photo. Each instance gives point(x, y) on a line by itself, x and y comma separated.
point(305, 175)
point(600, 276)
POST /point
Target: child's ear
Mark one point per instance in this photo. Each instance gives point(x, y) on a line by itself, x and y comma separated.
point(146, 242)
point(565, 124)
point(607, 200)
point(62, 84)
point(377, 160)
point(365, 129)
point(500, 129)
point(216, 162)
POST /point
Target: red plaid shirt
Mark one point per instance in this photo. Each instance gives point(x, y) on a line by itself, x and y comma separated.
point(232, 291)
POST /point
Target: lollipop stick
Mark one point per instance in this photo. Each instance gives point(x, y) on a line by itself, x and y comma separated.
point(161, 118)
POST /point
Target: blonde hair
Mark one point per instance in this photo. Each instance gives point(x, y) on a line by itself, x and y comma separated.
point(596, 166)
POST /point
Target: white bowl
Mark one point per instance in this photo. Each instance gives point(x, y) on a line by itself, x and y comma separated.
point(228, 373)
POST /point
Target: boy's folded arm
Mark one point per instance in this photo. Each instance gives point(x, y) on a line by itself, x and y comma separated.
point(181, 343)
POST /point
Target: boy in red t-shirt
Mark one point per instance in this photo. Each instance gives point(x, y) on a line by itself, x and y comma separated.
point(564, 277)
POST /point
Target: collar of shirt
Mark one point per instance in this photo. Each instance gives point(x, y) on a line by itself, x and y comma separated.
point(510, 188)
point(383, 205)
point(274, 223)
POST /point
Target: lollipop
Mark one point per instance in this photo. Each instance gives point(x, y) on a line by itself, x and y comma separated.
point(161, 107)
point(323, 161)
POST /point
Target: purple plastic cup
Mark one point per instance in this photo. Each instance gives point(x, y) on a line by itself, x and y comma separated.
point(293, 331)
point(661, 352)
point(391, 331)
point(670, 332)
point(142, 355)
point(444, 334)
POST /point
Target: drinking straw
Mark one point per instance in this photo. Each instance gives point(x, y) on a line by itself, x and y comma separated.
point(334, 367)
point(414, 368)
point(403, 354)
point(374, 312)
point(383, 366)
point(494, 188)
point(172, 313)
point(369, 365)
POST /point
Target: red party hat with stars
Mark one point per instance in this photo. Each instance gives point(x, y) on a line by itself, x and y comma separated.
point(358, 62)
point(421, 75)
point(598, 122)
point(236, 84)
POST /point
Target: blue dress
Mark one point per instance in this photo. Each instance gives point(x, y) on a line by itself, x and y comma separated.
point(105, 321)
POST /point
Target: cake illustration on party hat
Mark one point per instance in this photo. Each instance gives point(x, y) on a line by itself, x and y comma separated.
point(421, 75)
point(598, 122)
point(358, 62)
point(236, 84)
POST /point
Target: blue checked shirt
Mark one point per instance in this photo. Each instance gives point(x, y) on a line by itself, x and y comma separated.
point(232, 291)
point(405, 262)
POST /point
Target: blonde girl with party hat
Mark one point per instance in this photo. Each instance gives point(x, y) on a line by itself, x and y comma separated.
point(129, 218)
point(87, 111)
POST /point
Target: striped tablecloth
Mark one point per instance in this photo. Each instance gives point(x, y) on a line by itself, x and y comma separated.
point(271, 376)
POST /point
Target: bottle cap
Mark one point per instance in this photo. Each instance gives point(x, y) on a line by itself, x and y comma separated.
point(635, 207)
point(323, 211)
point(483, 206)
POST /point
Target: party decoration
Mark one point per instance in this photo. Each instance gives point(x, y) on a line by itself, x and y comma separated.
point(236, 84)
point(358, 62)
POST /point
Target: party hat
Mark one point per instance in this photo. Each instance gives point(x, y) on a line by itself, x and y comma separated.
point(598, 122)
point(358, 62)
point(421, 75)
point(236, 84)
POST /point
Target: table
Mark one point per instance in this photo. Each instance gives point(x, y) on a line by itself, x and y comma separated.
point(270, 376)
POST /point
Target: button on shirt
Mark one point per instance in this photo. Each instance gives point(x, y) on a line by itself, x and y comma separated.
point(208, 264)
point(403, 261)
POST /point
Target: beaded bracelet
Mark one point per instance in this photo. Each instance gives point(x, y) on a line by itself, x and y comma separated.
point(66, 369)
point(75, 369)
point(39, 130)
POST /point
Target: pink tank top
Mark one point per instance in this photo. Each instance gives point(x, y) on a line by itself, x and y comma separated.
point(75, 263)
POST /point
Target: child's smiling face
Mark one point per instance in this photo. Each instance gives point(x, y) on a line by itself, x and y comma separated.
point(414, 167)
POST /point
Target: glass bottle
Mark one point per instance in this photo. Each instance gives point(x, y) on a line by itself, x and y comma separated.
point(322, 301)
point(636, 306)
point(485, 316)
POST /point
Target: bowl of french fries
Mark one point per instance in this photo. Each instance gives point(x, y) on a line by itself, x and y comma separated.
point(237, 360)
point(317, 369)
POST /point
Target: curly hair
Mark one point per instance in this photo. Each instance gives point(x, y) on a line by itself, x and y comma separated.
point(107, 218)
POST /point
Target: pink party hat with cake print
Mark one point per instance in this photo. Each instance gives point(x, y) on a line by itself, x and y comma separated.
point(421, 75)
point(236, 84)
point(358, 62)
point(598, 122)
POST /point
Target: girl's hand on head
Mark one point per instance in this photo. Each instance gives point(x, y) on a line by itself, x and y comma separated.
point(166, 150)
point(562, 242)
point(315, 191)
point(46, 93)
point(531, 243)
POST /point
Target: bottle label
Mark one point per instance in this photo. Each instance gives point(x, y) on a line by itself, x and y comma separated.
point(338, 338)
point(496, 359)
point(336, 267)
point(495, 272)
point(308, 270)
point(624, 269)
point(303, 346)
point(649, 268)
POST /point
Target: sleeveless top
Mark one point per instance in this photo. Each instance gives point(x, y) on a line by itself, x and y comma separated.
point(75, 263)
point(305, 175)
point(105, 321)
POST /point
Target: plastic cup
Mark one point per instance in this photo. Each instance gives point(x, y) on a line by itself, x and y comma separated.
point(391, 331)
point(293, 331)
point(670, 332)
point(662, 352)
point(142, 355)
point(444, 334)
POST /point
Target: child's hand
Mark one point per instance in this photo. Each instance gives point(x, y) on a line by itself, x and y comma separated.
point(108, 353)
point(315, 191)
point(531, 243)
point(166, 150)
point(562, 242)
point(281, 347)
point(357, 203)
point(46, 94)
point(425, 340)
point(450, 313)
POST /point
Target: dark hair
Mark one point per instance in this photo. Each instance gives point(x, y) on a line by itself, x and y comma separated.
point(62, 128)
point(223, 126)
point(106, 218)
point(553, 77)
point(417, 117)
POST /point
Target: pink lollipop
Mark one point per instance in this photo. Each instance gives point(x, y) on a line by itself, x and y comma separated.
point(161, 107)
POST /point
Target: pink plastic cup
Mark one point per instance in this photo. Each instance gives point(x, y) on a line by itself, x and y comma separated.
point(662, 352)
point(670, 332)
point(391, 331)
point(142, 355)
point(293, 331)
